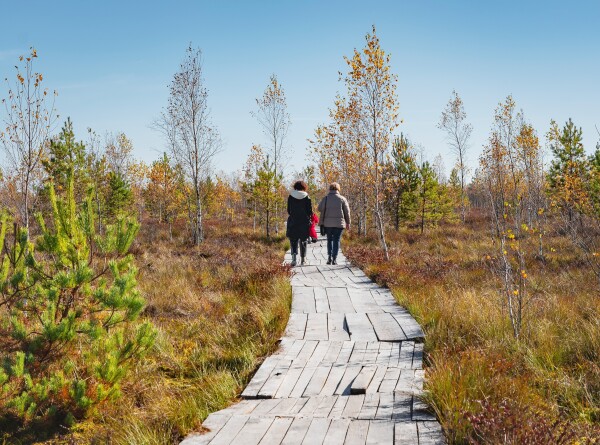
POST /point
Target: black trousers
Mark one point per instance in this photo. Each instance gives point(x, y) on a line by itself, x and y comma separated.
point(294, 246)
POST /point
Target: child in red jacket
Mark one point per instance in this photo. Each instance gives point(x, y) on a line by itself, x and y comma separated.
point(313, 231)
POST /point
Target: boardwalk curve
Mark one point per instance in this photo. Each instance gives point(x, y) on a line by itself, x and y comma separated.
point(349, 370)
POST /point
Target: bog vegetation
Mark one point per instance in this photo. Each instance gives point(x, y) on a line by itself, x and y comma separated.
point(137, 298)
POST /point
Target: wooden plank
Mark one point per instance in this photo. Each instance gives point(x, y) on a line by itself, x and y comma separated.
point(338, 407)
point(269, 389)
point(345, 353)
point(406, 381)
point(377, 379)
point(229, 431)
point(300, 402)
point(317, 381)
point(395, 354)
point(430, 433)
point(333, 352)
point(358, 353)
point(360, 327)
point(383, 356)
point(386, 406)
point(353, 406)
point(420, 410)
point(253, 431)
point(305, 354)
point(357, 432)
point(363, 301)
point(349, 376)
point(296, 325)
point(265, 406)
point(325, 406)
point(386, 327)
point(310, 407)
point(260, 377)
point(333, 380)
point(388, 384)
point(336, 323)
point(405, 433)
point(336, 435)
point(417, 361)
point(302, 382)
point(362, 381)
point(380, 432)
point(213, 423)
point(369, 408)
point(371, 352)
point(316, 327)
point(418, 381)
point(303, 299)
point(402, 407)
point(288, 383)
point(292, 352)
point(284, 406)
point(316, 431)
point(406, 354)
point(296, 431)
point(339, 300)
point(321, 300)
point(276, 431)
point(316, 359)
point(411, 328)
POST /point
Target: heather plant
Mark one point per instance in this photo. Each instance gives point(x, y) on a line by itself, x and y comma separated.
point(68, 299)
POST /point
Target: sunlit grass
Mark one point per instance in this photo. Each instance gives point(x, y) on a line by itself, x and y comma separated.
point(475, 366)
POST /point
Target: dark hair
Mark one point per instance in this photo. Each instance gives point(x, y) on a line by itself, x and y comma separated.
point(300, 185)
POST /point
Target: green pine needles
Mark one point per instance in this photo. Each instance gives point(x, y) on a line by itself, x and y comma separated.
point(67, 303)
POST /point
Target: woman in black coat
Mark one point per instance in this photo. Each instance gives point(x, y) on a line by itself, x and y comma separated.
point(299, 207)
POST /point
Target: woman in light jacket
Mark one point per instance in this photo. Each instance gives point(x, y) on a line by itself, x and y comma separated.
point(335, 216)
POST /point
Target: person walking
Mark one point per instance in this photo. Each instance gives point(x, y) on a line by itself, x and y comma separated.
point(335, 216)
point(299, 208)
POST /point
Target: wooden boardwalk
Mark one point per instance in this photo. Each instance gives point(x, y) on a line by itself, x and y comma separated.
point(349, 370)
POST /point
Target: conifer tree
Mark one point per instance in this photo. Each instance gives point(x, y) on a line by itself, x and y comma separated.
point(66, 154)
point(119, 195)
point(567, 175)
point(429, 199)
point(69, 298)
point(265, 192)
point(402, 181)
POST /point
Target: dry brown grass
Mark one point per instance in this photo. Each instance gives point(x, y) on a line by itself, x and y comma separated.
point(481, 381)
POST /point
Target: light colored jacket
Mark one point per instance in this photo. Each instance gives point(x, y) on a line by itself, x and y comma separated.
point(337, 213)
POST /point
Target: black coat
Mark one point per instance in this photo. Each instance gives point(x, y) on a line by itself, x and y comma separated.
point(298, 223)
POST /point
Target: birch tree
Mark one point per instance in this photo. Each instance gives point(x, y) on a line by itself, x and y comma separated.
point(372, 85)
point(458, 131)
point(29, 119)
point(191, 137)
point(274, 120)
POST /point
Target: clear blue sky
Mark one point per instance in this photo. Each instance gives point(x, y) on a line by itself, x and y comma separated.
point(111, 62)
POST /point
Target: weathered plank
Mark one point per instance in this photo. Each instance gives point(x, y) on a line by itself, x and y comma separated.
point(380, 432)
point(336, 435)
point(316, 327)
point(316, 431)
point(361, 382)
point(296, 325)
point(296, 431)
point(405, 433)
point(360, 327)
point(336, 323)
point(229, 431)
point(386, 327)
point(276, 431)
point(430, 433)
point(253, 430)
point(357, 432)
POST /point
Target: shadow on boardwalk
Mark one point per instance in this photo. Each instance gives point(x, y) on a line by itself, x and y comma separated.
point(349, 370)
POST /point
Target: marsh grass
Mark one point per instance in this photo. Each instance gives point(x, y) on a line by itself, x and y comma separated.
point(481, 382)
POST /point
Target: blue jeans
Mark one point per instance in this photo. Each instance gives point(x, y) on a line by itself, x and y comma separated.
point(333, 241)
